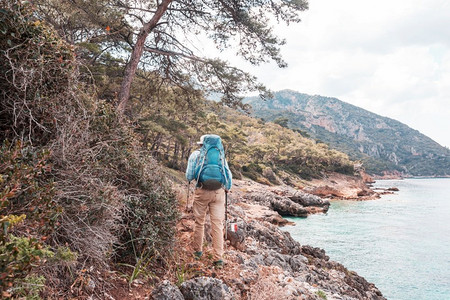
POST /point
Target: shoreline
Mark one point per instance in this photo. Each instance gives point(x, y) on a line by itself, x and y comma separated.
point(413, 177)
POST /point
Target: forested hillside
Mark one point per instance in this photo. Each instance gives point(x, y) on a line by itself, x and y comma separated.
point(381, 143)
point(254, 148)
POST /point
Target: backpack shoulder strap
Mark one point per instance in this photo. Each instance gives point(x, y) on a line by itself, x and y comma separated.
point(224, 172)
point(204, 153)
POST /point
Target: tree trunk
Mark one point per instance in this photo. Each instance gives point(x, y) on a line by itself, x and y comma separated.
point(145, 140)
point(155, 143)
point(175, 155)
point(130, 70)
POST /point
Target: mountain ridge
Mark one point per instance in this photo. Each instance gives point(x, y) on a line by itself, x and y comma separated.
point(383, 144)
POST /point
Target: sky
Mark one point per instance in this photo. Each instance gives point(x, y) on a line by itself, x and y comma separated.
point(389, 57)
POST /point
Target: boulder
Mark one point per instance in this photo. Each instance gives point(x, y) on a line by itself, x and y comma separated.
point(166, 291)
point(270, 175)
point(306, 199)
point(315, 252)
point(298, 263)
point(269, 237)
point(286, 207)
point(294, 205)
point(206, 288)
point(273, 258)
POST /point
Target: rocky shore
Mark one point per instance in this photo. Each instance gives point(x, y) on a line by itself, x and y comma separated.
point(262, 261)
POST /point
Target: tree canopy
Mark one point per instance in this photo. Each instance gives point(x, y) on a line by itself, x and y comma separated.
point(157, 36)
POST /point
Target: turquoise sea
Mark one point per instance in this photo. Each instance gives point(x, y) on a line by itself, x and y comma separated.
point(400, 242)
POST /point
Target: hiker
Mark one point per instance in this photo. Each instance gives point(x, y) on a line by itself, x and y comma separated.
point(209, 168)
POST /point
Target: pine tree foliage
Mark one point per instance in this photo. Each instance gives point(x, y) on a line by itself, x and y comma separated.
point(160, 37)
point(172, 127)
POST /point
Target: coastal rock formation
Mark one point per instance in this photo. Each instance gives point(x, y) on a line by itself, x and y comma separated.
point(339, 186)
point(292, 204)
point(286, 207)
point(268, 263)
point(295, 269)
point(306, 199)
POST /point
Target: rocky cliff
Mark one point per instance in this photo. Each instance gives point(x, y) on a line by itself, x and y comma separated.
point(383, 144)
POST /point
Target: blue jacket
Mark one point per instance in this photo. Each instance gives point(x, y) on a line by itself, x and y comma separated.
point(194, 161)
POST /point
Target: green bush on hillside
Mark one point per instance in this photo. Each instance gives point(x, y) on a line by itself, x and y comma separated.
point(37, 71)
point(28, 213)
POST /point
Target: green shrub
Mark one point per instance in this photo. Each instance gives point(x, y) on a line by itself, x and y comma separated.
point(322, 294)
point(26, 186)
point(37, 70)
point(252, 171)
point(151, 215)
point(18, 255)
point(28, 212)
point(30, 287)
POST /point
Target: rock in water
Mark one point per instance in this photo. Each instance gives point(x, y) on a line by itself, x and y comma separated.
point(286, 207)
point(393, 189)
point(166, 291)
point(306, 199)
point(206, 288)
point(294, 205)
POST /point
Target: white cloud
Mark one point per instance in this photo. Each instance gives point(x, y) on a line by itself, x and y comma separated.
point(390, 57)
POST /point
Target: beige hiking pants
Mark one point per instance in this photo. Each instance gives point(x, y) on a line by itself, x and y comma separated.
point(215, 200)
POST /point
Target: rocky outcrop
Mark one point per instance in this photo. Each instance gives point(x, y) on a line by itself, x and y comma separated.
point(166, 291)
point(271, 260)
point(293, 204)
point(339, 186)
point(286, 207)
point(206, 288)
point(306, 199)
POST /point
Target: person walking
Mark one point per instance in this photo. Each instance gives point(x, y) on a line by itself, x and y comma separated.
point(209, 167)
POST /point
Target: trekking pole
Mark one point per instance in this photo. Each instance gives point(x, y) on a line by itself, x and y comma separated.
point(226, 213)
point(187, 197)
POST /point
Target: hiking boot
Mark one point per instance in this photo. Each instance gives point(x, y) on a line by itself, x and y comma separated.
point(218, 264)
point(198, 255)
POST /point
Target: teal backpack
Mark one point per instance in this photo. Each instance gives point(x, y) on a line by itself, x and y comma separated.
point(210, 169)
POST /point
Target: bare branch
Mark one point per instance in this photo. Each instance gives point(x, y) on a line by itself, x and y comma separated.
point(172, 53)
